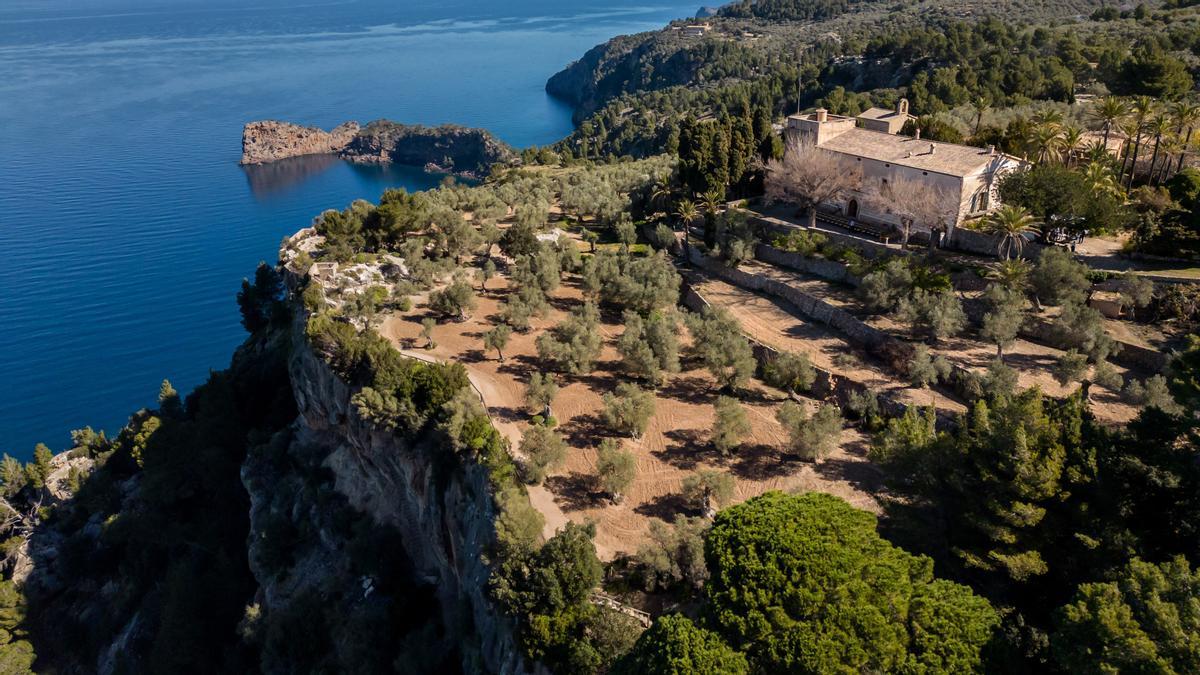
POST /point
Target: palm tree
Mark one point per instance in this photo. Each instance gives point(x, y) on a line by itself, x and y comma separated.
point(1012, 223)
point(1108, 111)
point(1186, 114)
point(1171, 145)
point(687, 213)
point(980, 105)
point(1046, 142)
point(712, 206)
point(1012, 274)
point(1142, 107)
point(1097, 153)
point(1159, 126)
point(662, 192)
point(1071, 142)
point(1100, 179)
point(1048, 117)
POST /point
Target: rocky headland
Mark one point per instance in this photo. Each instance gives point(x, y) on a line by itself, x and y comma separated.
point(271, 140)
point(446, 148)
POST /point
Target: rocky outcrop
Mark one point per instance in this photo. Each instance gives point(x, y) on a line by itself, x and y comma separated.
point(448, 148)
point(270, 140)
point(444, 515)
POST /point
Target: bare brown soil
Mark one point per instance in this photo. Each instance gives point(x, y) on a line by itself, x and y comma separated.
point(675, 445)
point(1033, 362)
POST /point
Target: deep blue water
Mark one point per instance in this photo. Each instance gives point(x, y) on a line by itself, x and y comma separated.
point(126, 224)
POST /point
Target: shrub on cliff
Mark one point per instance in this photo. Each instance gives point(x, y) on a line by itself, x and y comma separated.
point(544, 449)
point(677, 646)
point(547, 591)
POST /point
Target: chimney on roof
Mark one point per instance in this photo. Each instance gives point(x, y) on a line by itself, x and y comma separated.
point(992, 150)
point(822, 115)
point(932, 147)
point(918, 133)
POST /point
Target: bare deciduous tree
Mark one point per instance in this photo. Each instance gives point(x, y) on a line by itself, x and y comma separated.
point(914, 202)
point(809, 176)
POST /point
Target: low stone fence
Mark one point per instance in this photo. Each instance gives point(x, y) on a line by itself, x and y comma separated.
point(1040, 331)
point(867, 247)
point(895, 353)
point(827, 386)
point(830, 270)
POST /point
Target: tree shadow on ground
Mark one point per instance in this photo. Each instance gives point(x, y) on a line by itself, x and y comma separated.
point(688, 446)
point(520, 366)
point(1041, 362)
point(688, 389)
point(854, 469)
point(565, 305)
point(507, 414)
point(575, 491)
point(761, 462)
point(473, 356)
point(665, 507)
point(584, 430)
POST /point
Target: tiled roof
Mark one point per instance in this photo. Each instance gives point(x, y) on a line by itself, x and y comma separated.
point(878, 113)
point(948, 158)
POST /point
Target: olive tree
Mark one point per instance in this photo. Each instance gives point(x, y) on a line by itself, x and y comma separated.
point(730, 424)
point(543, 449)
point(497, 338)
point(717, 339)
point(790, 371)
point(628, 410)
point(938, 314)
point(925, 369)
point(540, 393)
point(815, 436)
point(616, 468)
point(649, 347)
point(427, 325)
point(573, 345)
point(454, 300)
point(1071, 366)
point(1005, 316)
point(706, 489)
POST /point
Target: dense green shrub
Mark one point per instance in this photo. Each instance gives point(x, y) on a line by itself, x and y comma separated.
point(805, 584)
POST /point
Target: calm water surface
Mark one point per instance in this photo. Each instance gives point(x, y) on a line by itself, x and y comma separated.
point(126, 224)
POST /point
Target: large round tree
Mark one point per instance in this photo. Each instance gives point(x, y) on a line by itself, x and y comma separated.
point(804, 584)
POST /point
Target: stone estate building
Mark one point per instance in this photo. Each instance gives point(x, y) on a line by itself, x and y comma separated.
point(969, 174)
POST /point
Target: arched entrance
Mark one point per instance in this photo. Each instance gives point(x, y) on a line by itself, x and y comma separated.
point(852, 209)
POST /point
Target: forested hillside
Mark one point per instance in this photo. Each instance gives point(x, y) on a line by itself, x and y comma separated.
point(633, 93)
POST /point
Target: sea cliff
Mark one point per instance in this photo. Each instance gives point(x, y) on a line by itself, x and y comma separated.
point(444, 516)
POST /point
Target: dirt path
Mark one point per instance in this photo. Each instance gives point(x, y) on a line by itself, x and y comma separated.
point(772, 323)
point(1032, 362)
point(674, 446)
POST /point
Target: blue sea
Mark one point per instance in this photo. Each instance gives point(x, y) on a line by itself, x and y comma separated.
point(126, 224)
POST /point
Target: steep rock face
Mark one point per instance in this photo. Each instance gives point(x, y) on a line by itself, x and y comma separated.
point(448, 148)
point(628, 64)
point(270, 140)
point(444, 515)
